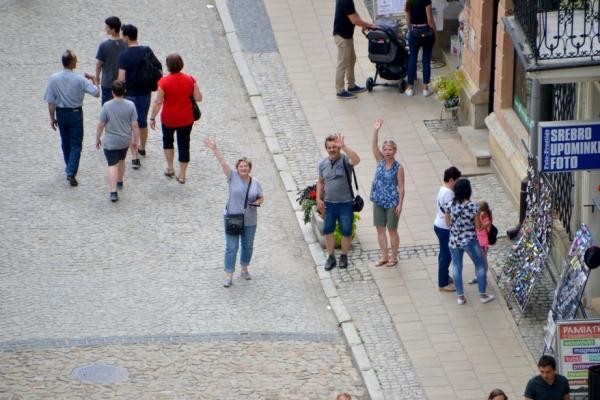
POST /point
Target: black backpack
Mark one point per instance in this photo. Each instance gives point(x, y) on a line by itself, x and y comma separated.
point(493, 235)
point(149, 73)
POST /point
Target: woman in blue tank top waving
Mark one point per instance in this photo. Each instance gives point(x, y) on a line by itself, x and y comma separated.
point(387, 195)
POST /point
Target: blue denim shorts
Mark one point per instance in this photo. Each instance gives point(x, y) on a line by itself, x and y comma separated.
point(341, 212)
point(142, 105)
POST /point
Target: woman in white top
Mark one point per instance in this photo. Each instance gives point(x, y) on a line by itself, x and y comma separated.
point(445, 195)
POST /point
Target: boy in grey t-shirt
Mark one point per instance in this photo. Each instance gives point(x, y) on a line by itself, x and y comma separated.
point(107, 56)
point(119, 118)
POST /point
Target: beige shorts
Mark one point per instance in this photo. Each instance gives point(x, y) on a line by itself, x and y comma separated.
point(385, 217)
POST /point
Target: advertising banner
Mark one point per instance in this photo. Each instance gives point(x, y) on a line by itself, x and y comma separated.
point(578, 345)
point(569, 146)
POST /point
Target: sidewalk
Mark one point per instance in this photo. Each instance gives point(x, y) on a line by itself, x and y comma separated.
point(303, 31)
point(458, 352)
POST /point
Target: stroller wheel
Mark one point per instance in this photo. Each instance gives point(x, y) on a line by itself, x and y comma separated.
point(402, 85)
point(369, 84)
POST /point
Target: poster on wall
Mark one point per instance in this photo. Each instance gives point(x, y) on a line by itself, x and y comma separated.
point(578, 345)
point(569, 146)
point(388, 7)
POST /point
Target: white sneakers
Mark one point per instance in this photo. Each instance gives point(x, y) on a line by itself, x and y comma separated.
point(426, 93)
point(483, 301)
point(487, 299)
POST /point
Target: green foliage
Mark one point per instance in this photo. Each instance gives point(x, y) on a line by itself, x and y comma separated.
point(446, 87)
point(307, 199)
point(337, 233)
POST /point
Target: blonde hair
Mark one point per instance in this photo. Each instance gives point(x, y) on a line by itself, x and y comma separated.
point(246, 160)
point(390, 143)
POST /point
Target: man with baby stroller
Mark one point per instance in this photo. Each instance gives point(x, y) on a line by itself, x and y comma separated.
point(344, 21)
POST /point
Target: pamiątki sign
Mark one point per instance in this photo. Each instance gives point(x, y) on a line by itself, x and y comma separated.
point(578, 348)
point(569, 146)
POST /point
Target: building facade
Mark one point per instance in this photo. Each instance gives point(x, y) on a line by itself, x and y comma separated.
point(526, 62)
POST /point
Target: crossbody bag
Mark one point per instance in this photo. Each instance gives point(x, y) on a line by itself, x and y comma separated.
point(357, 202)
point(234, 223)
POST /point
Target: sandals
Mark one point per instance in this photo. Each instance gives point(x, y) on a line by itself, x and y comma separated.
point(381, 262)
point(169, 173)
point(392, 263)
point(180, 180)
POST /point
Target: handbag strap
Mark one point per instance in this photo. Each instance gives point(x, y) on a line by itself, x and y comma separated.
point(348, 177)
point(245, 201)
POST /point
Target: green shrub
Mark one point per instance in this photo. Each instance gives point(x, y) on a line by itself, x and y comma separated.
point(338, 234)
point(446, 87)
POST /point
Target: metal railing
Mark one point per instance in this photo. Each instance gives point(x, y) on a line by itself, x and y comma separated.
point(560, 29)
point(565, 101)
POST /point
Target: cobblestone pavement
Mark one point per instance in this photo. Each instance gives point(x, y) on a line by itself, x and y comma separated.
point(356, 286)
point(300, 149)
point(78, 272)
point(242, 370)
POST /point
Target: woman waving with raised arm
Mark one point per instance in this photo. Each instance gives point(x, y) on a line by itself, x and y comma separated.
point(387, 195)
point(245, 196)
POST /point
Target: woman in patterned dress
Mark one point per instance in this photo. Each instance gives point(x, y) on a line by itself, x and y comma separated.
point(461, 217)
point(387, 195)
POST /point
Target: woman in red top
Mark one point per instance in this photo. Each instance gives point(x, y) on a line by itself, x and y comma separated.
point(175, 91)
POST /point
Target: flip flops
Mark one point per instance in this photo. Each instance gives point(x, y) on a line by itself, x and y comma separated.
point(381, 262)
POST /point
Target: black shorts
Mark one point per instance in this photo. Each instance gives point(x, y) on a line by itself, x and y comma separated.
point(114, 156)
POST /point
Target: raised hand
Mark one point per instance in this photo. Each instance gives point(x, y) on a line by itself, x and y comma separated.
point(378, 124)
point(211, 144)
point(338, 140)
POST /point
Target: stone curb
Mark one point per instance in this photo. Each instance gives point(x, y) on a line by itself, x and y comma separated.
point(359, 354)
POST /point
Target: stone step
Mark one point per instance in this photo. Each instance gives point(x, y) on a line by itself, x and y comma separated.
point(477, 143)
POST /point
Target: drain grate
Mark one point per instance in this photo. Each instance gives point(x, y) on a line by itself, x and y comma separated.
point(101, 373)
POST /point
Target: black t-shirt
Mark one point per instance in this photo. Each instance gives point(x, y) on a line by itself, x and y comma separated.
point(418, 15)
point(341, 23)
point(538, 389)
point(130, 60)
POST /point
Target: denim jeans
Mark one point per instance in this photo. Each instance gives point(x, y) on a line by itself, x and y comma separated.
point(70, 126)
point(444, 257)
point(232, 243)
point(413, 53)
point(474, 251)
point(106, 94)
point(341, 212)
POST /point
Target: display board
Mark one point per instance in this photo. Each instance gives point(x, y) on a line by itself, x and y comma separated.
point(578, 348)
point(529, 254)
point(570, 285)
point(524, 265)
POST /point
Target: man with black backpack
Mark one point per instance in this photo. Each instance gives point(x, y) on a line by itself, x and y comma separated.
point(140, 70)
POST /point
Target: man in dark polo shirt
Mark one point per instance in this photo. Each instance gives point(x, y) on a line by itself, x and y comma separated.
point(548, 385)
point(337, 201)
point(343, 32)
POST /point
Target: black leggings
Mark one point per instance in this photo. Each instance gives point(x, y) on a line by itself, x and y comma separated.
point(183, 140)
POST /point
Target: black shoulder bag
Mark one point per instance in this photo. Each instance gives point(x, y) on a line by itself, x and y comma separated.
point(195, 109)
point(357, 203)
point(234, 223)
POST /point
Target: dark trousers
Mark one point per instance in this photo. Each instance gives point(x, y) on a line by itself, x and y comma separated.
point(444, 256)
point(413, 54)
point(70, 126)
point(183, 140)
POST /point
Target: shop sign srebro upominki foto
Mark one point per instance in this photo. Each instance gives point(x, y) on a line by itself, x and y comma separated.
point(578, 348)
point(569, 146)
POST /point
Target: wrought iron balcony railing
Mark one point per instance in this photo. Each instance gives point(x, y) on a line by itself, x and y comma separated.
point(560, 29)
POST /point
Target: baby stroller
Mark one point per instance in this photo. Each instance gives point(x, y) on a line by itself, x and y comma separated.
point(388, 51)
